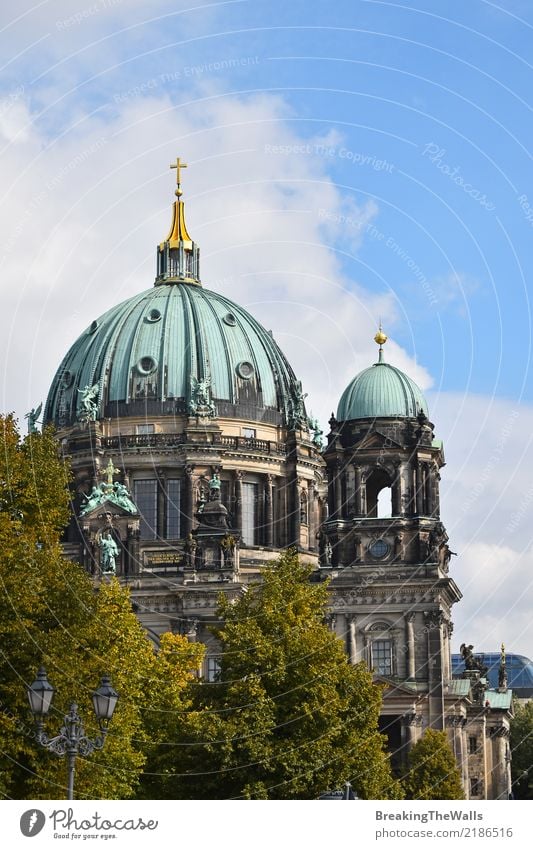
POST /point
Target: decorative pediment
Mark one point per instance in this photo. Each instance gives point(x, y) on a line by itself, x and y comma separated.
point(393, 688)
point(107, 507)
point(376, 439)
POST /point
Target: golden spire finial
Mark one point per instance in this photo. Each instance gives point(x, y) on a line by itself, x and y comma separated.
point(178, 165)
point(380, 338)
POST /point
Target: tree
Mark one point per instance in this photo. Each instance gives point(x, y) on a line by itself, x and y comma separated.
point(432, 770)
point(51, 613)
point(289, 717)
point(522, 750)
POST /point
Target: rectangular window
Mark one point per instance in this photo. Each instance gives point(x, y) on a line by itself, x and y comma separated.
point(145, 428)
point(382, 657)
point(212, 669)
point(249, 513)
point(173, 509)
point(248, 432)
point(146, 501)
point(472, 745)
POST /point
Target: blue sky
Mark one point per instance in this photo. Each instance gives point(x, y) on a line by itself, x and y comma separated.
point(348, 162)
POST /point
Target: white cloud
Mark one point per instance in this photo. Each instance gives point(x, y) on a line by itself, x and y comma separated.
point(82, 216)
point(487, 506)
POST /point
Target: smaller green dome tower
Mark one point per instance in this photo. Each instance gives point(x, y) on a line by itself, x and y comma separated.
point(381, 392)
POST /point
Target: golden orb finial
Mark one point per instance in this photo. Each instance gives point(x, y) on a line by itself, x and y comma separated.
point(380, 338)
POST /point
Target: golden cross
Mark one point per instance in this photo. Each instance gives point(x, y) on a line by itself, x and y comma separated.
point(110, 471)
point(178, 165)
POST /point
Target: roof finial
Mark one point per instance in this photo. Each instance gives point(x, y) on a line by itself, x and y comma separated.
point(178, 257)
point(380, 338)
point(178, 165)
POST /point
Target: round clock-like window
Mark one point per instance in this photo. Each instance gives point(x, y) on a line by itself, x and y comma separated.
point(245, 370)
point(146, 365)
point(379, 549)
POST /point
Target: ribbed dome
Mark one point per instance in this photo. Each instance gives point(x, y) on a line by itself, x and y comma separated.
point(147, 353)
point(381, 391)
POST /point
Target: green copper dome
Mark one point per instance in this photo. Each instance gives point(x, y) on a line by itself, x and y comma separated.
point(177, 349)
point(148, 354)
point(381, 391)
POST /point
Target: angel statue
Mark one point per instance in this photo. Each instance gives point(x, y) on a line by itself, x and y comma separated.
point(200, 403)
point(33, 417)
point(89, 406)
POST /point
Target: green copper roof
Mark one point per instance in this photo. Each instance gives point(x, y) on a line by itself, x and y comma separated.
point(381, 391)
point(147, 353)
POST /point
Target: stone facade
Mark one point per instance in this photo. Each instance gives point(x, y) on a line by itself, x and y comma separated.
point(203, 489)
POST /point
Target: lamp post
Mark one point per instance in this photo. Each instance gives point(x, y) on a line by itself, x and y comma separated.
point(71, 740)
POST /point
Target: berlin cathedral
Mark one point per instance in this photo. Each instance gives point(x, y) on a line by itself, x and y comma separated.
point(195, 464)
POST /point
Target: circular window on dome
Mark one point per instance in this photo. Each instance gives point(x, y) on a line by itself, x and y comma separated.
point(245, 370)
point(230, 319)
point(379, 549)
point(146, 365)
point(67, 379)
point(153, 316)
point(94, 327)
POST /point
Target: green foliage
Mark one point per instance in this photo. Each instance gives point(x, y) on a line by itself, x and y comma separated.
point(51, 614)
point(432, 770)
point(522, 750)
point(289, 718)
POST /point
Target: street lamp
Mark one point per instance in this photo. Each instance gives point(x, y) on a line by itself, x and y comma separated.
point(71, 740)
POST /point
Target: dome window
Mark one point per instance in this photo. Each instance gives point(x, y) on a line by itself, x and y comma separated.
point(94, 327)
point(146, 365)
point(67, 379)
point(245, 370)
point(230, 319)
point(153, 316)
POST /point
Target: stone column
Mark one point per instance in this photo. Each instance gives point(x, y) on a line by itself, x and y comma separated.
point(338, 492)
point(437, 494)
point(358, 490)
point(419, 489)
point(161, 504)
point(269, 514)
point(433, 621)
point(238, 500)
point(396, 492)
point(499, 736)
point(189, 500)
point(410, 645)
point(428, 476)
point(352, 645)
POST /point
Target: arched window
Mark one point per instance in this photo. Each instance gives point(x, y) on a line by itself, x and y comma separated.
point(381, 649)
point(384, 503)
point(378, 495)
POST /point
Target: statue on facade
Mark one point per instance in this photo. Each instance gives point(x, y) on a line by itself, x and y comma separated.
point(297, 416)
point(502, 671)
point(108, 553)
point(317, 432)
point(358, 548)
point(117, 493)
point(228, 544)
point(201, 403)
point(398, 547)
point(89, 406)
point(33, 417)
point(190, 551)
point(472, 663)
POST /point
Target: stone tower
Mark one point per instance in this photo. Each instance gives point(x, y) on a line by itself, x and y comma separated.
point(387, 547)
